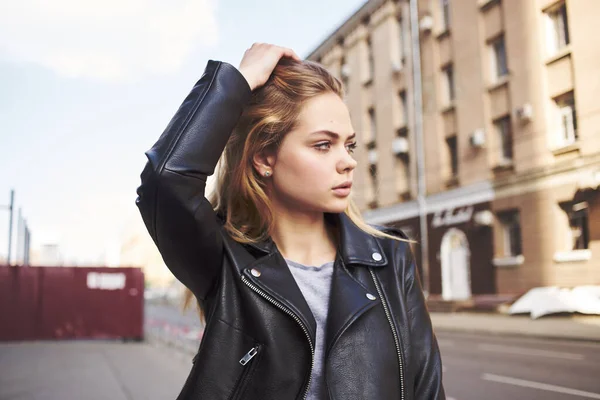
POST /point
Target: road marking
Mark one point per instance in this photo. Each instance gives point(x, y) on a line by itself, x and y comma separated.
point(538, 385)
point(530, 352)
point(520, 339)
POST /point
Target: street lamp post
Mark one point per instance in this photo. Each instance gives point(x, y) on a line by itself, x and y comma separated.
point(10, 208)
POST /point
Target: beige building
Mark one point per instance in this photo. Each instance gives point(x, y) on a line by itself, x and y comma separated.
point(508, 195)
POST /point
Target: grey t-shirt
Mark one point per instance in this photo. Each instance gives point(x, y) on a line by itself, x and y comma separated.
point(315, 285)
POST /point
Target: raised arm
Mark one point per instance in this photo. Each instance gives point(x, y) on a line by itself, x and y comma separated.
point(171, 197)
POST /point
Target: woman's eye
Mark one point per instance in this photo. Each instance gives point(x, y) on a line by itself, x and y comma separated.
point(351, 147)
point(323, 146)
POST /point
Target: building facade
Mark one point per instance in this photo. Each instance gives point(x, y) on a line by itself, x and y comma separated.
point(510, 129)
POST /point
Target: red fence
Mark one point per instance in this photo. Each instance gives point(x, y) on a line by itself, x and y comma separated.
point(71, 303)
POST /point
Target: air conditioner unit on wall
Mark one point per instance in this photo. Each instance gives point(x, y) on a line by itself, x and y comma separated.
point(397, 67)
point(426, 23)
point(484, 218)
point(345, 71)
point(373, 156)
point(477, 138)
point(400, 146)
point(524, 113)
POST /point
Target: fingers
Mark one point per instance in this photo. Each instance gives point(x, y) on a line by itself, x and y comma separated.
point(259, 61)
point(283, 51)
point(290, 53)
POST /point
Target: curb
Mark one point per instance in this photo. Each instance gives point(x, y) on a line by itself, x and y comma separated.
point(568, 329)
point(515, 334)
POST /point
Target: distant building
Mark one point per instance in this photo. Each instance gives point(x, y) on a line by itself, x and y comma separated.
point(510, 130)
point(138, 250)
point(49, 255)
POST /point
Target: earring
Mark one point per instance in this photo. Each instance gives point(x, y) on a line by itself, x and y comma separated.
point(267, 173)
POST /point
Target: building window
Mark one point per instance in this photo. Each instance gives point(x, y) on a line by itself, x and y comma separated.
point(373, 203)
point(370, 61)
point(567, 118)
point(499, 64)
point(445, 11)
point(579, 234)
point(448, 84)
point(344, 74)
point(511, 233)
point(505, 141)
point(453, 155)
point(402, 42)
point(372, 126)
point(400, 148)
point(557, 29)
point(404, 110)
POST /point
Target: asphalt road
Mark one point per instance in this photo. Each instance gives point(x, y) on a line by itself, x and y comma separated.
point(476, 367)
point(491, 367)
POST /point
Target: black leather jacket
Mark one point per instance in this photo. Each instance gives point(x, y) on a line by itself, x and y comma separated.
point(260, 333)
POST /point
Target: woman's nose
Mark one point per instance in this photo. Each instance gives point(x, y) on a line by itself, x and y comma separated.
point(347, 163)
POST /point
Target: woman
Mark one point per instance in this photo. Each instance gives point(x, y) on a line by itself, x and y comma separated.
point(301, 299)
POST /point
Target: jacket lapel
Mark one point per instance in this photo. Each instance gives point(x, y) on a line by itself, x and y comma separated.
point(356, 246)
point(276, 280)
point(348, 300)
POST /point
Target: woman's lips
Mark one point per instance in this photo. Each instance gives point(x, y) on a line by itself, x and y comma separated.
point(343, 190)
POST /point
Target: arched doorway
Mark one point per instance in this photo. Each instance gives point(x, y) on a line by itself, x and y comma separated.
point(456, 268)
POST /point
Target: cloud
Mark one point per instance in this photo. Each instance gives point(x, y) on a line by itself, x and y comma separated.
point(114, 40)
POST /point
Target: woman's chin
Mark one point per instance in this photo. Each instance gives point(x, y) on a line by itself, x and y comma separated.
point(337, 206)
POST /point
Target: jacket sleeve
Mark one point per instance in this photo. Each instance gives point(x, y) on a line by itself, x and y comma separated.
point(424, 346)
point(171, 197)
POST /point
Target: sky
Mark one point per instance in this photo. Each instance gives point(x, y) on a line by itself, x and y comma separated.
point(86, 87)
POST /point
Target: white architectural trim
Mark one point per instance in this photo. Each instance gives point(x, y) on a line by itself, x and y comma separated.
point(397, 212)
point(464, 196)
point(513, 261)
point(573, 255)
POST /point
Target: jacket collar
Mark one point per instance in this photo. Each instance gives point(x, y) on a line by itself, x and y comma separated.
point(356, 247)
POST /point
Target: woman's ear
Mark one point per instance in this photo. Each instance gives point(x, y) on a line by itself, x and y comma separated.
point(264, 162)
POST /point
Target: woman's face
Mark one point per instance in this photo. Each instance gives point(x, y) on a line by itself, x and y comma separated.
point(313, 168)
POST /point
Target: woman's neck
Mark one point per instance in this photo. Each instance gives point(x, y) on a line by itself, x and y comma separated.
point(304, 237)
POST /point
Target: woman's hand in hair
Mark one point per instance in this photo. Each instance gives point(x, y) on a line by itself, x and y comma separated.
point(260, 60)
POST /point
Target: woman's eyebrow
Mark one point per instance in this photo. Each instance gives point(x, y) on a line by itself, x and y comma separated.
point(333, 135)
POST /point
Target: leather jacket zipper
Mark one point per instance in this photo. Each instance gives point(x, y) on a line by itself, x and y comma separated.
point(296, 318)
point(245, 360)
point(249, 355)
point(394, 332)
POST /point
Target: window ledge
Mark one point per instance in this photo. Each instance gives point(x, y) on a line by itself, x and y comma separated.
point(484, 5)
point(499, 83)
point(445, 32)
point(452, 182)
point(402, 131)
point(373, 205)
point(404, 196)
point(569, 148)
point(512, 261)
point(504, 166)
point(560, 54)
point(371, 144)
point(573, 255)
point(448, 107)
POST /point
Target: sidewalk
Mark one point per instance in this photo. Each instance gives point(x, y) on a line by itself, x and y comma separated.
point(577, 327)
point(90, 370)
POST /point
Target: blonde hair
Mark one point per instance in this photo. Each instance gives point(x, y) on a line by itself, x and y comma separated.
point(240, 195)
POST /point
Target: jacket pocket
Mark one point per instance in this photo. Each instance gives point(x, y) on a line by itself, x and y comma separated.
point(224, 366)
point(249, 362)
